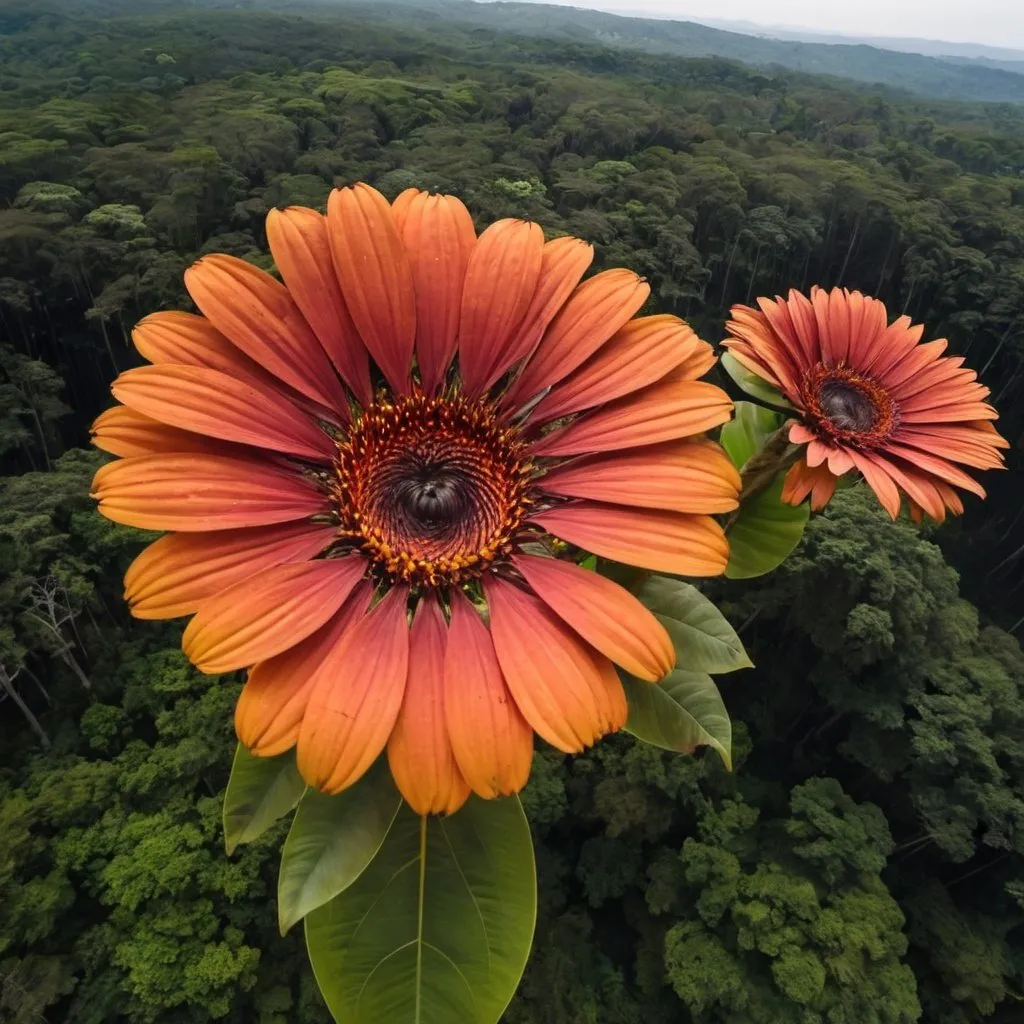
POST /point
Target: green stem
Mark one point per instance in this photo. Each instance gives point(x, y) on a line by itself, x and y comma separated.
point(764, 466)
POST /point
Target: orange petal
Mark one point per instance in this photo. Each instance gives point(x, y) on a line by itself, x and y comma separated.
point(212, 403)
point(197, 493)
point(257, 313)
point(878, 479)
point(438, 235)
point(802, 480)
point(127, 433)
point(301, 249)
point(375, 277)
point(173, 337)
point(593, 313)
point(501, 280)
point(565, 689)
point(563, 263)
point(175, 574)
point(665, 411)
point(686, 545)
point(492, 744)
point(269, 712)
point(419, 751)
point(641, 353)
point(608, 617)
point(356, 697)
point(684, 476)
point(268, 612)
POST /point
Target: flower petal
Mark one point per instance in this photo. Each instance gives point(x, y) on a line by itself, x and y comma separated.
point(501, 280)
point(593, 313)
point(801, 480)
point(419, 751)
point(375, 277)
point(198, 493)
point(268, 612)
point(301, 249)
point(684, 476)
point(269, 712)
point(686, 545)
point(438, 235)
point(642, 352)
point(608, 617)
point(567, 691)
point(356, 697)
point(492, 744)
point(878, 479)
point(177, 573)
point(665, 411)
point(214, 404)
point(255, 311)
point(127, 433)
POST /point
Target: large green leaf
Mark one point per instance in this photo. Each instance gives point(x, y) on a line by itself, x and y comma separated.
point(682, 712)
point(260, 790)
point(749, 382)
point(747, 431)
point(764, 533)
point(438, 928)
point(332, 840)
point(703, 638)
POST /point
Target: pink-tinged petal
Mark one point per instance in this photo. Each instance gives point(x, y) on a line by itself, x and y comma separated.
point(356, 697)
point(300, 245)
point(438, 235)
point(565, 689)
point(799, 434)
point(749, 361)
point(954, 412)
point(608, 617)
point(492, 743)
point(802, 481)
point(269, 712)
point(257, 313)
point(375, 277)
point(593, 313)
point(936, 466)
point(839, 461)
point(501, 280)
point(684, 476)
point(127, 433)
point(268, 612)
point(665, 411)
point(419, 751)
point(877, 477)
point(641, 353)
point(818, 452)
point(197, 493)
point(177, 573)
point(211, 403)
point(754, 341)
point(686, 545)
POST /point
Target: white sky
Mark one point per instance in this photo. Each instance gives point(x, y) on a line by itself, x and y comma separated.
point(995, 22)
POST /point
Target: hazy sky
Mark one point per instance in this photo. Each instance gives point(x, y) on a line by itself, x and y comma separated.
point(995, 22)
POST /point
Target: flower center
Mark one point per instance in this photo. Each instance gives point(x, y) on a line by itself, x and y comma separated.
point(846, 406)
point(432, 489)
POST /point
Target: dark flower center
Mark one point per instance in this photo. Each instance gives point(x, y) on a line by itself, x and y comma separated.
point(847, 406)
point(431, 489)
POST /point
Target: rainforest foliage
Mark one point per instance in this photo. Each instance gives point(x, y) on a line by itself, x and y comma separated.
point(863, 864)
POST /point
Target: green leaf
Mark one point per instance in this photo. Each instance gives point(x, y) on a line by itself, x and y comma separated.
point(438, 928)
point(260, 790)
point(682, 712)
point(749, 382)
point(703, 638)
point(747, 431)
point(332, 840)
point(764, 533)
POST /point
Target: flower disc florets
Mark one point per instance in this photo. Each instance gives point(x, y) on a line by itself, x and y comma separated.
point(433, 489)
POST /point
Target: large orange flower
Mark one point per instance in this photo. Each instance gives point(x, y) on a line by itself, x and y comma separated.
point(380, 476)
point(870, 398)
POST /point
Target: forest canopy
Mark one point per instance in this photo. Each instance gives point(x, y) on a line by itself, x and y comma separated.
point(864, 861)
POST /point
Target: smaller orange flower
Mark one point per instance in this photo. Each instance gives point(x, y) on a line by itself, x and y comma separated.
point(871, 398)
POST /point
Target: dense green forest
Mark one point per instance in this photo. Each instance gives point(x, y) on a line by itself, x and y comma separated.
point(864, 864)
